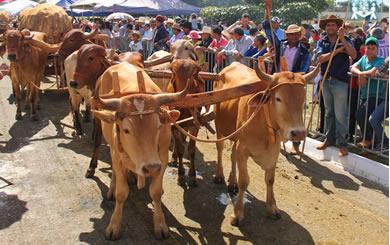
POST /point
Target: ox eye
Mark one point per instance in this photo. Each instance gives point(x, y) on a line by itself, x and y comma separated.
point(186, 48)
point(90, 58)
point(278, 100)
point(126, 131)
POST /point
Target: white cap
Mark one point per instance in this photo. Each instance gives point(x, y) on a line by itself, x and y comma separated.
point(275, 19)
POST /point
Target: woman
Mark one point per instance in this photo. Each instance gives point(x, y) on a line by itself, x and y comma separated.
point(105, 30)
point(258, 47)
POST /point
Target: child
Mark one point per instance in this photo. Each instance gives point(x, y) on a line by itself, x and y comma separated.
point(136, 43)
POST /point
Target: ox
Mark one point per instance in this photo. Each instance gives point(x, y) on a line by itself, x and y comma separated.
point(280, 119)
point(184, 70)
point(28, 63)
point(181, 49)
point(138, 131)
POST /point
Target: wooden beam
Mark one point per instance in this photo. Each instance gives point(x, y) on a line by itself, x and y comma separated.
point(283, 64)
point(158, 61)
point(168, 74)
point(141, 82)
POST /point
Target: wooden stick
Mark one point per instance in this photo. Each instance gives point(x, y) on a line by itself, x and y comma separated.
point(168, 74)
point(115, 83)
point(273, 40)
point(158, 61)
point(141, 82)
point(322, 82)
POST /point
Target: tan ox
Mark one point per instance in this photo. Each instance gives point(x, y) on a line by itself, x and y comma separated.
point(181, 49)
point(138, 131)
point(262, 137)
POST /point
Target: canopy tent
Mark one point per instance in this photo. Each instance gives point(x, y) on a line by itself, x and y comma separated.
point(152, 7)
point(62, 3)
point(86, 4)
point(15, 7)
point(81, 13)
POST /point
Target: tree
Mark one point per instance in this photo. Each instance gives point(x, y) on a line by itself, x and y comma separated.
point(317, 5)
point(232, 14)
point(217, 3)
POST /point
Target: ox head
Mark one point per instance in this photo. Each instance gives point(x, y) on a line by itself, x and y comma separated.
point(14, 42)
point(91, 63)
point(183, 49)
point(74, 39)
point(285, 99)
point(142, 128)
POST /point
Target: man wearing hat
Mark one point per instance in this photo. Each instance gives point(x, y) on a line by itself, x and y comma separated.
point(168, 25)
point(161, 35)
point(275, 21)
point(296, 54)
point(177, 34)
point(335, 88)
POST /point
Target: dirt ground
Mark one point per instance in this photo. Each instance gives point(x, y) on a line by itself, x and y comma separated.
point(45, 198)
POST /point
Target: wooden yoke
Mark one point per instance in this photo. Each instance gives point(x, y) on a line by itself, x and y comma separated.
point(116, 87)
point(283, 64)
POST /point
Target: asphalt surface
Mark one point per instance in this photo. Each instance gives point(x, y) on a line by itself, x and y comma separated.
point(45, 198)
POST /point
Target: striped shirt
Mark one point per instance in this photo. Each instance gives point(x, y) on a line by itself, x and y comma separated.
point(383, 49)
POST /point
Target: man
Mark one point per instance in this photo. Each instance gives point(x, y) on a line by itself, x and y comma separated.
point(244, 23)
point(148, 33)
point(187, 27)
point(378, 33)
point(253, 33)
point(123, 32)
point(161, 35)
point(242, 43)
point(316, 26)
point(296, 55)
point(177, 34)
point(168, 25)
point(336, 83)
point(276, 26)
point(370, 94)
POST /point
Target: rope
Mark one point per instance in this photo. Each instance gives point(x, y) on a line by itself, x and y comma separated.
point(323, 80)
point(55, 83)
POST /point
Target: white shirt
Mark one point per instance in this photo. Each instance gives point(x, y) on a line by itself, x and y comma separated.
point(135, 47)
point(148, 34)
point(289, 54)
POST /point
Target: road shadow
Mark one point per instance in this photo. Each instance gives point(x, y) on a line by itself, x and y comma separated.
point(11, 209)
point(318, 173)
point(372, 185)
point(52, 112)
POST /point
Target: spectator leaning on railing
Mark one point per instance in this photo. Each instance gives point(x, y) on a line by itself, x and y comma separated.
point(258, 47)
point(336, 83)
point(369, 91)
point(383, 49)
point(242, 43)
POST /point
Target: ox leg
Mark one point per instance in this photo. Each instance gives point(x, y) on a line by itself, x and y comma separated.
point(87, 114)
point(76, 122)
point(271, 203)
point(75, 99)
point(18, 95)
point(111, 191)
point(219, 177)
point(243, 182)
point(96, 145)
point(31, 98)
point(232, 186)
point(27, 102)
point(191, 152)
point(160, 227)
point(180, 152)
point(121, 193)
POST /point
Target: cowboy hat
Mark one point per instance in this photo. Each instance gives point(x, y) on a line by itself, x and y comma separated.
point(331, 18)
point(170, 21)
point(136, 33)
point(296, 29)
point(176, 26)
point(207, 29)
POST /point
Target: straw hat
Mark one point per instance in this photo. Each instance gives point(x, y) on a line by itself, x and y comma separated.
point(136, 33)
point(349, 24)
point(176, 26)
point(226, 35)
point(295, 29)
point(170, 21)
point(207, 29)
point(331, 18)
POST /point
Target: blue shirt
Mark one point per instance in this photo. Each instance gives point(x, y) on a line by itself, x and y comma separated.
point(280, 34)
point(340, 63)
point(161, 33)
point(365, 65)
point(122, 30)
point(254, 52)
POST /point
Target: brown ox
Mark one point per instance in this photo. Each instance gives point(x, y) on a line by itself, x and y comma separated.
point(181, 49)
point(90, 65)
point(27, 66)
point(262, 137)
point(183, 70)
point(138, 132)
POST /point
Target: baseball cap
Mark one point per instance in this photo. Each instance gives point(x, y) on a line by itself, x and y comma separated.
point(372, 40)
point(275, 19)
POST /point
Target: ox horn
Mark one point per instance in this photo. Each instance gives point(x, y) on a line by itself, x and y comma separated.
point(90, 35)
point(163, 99)
point(29, 37)
point(106, 104)
point(263, 76)
point(51, 48)
point(311, 75)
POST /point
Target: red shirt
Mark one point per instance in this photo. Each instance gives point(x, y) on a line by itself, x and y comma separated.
point(216, 44)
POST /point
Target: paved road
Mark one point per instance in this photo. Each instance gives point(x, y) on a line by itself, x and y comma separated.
point(45, 199)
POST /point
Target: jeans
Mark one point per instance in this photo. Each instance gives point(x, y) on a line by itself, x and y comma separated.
point(336, 111)
point(362, 118)
point(376, 119)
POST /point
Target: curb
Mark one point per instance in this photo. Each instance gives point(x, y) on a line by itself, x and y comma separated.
point(352, 163)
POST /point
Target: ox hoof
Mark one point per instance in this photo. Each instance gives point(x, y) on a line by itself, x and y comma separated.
point(112, 233)
point(172, 164)
point(275, 216)
point(233, 189)
point(181, 181)
point(192, 182)
point(34, 117)
point(237, 222)
point(90, 173)
point(18, 117)
point(219, 180)
point(163, 234)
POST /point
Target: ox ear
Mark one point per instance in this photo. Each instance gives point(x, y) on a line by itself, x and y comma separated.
point(258, 99)
point(2, 50)
point(105, 116)
point(173, 116)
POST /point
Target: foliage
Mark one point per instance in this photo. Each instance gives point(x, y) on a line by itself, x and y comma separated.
point(294, 13)
point(218, 3)
point(232, 14)
point(317, 5)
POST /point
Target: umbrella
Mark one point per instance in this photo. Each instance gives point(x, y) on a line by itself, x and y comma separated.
point(119, 16)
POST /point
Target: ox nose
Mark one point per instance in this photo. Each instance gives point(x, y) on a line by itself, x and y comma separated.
point(73, 84)
point(297, 135)
point(151, 169)
point(12, 56)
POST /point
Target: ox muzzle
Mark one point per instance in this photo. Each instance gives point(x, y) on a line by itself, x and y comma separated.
point(151, 170)
point(297, 135)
